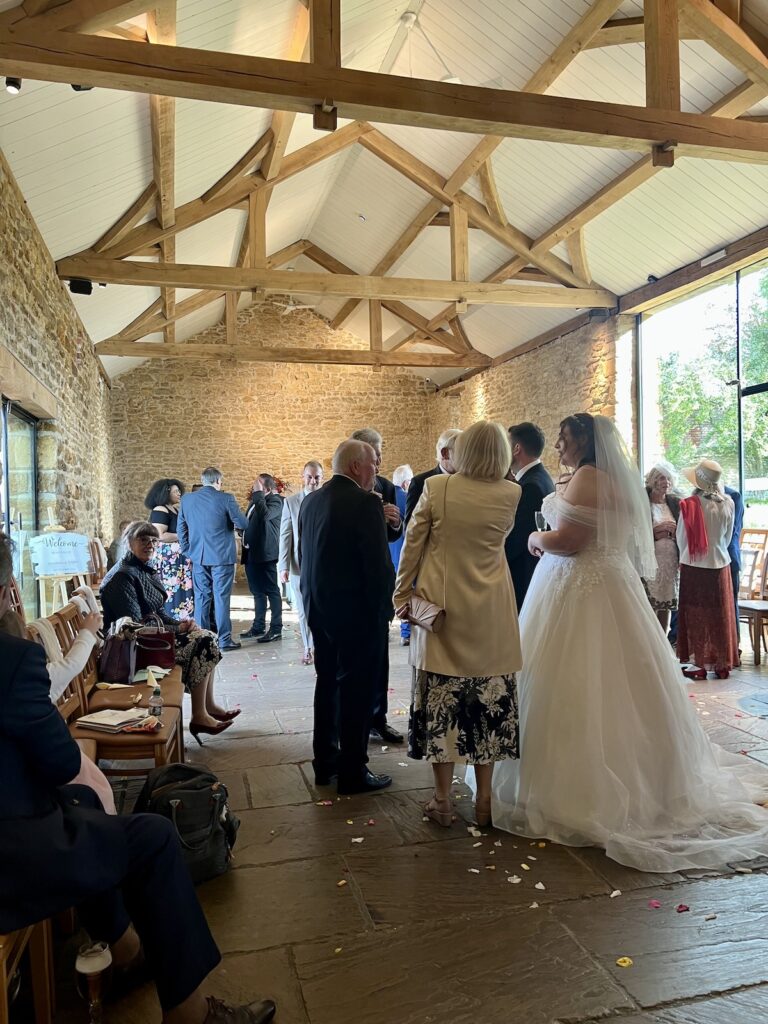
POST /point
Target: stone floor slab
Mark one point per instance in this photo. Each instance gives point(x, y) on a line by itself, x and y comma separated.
point(679, 955)
point(298, 901)
point(749, 1007)
point(617, 876)
point(462, 877)
point(274, 834)
point(248, 752)
point(514, 969)
point(404, 808)
point(295, 719)
point(275, 785)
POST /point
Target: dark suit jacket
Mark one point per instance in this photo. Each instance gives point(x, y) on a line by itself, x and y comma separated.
point(388, 492)
point(261, 540)
point(415, 490)
point(734, 548)
point(536, 485)
point(207, 522)
point(53, 854)
point(347, 578)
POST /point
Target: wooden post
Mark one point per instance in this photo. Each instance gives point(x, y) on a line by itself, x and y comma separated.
point(459, 243)
point(325, 33)
point(257, 228)
point(662, 55)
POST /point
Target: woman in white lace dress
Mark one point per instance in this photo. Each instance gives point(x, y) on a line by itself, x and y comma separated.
point(612, 753)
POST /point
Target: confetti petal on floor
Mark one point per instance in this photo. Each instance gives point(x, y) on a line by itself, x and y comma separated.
point(515, 879)
point(526, 867)
point(654, 905)
point(711, 917)
point(682, 908)
point(615, 893)
point(474, 871)
point(625, 961)
point(341, 883)
point(540, 886)
point(358, 839)
point(534, 906)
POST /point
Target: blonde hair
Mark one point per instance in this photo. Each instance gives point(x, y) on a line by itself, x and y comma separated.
point(483, 452)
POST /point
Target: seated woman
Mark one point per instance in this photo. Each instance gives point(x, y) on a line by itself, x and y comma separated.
point(59, 849)
point(134, 588)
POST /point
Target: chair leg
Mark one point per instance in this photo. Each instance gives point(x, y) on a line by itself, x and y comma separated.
point(41, 963)
point(757, 623)
point(4, 980)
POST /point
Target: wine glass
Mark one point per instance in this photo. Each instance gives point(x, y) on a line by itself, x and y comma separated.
point(541, 522)
point(93, 968)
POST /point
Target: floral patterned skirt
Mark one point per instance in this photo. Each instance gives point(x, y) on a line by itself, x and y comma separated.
point(472, 720)
point(197, 652)
point(176, 573)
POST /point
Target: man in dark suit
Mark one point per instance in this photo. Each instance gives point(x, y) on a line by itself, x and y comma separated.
point(261, 547)
point(734, 548)
point(381, 729)
point(445, 445)
point(527, 445)
point(59, 849)
point(208, 519)
point(347, 582)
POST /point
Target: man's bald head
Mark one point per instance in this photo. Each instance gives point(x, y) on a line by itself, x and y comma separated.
point(357, 460)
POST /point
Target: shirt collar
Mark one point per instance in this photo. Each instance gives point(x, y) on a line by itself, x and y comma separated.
point(520, 473)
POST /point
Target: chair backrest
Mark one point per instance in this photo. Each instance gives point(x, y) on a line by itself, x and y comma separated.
point(749, 578)
point(17, 604)
point(71, 703)
point(67, 623)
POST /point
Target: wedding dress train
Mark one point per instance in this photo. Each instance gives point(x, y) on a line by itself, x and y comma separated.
point(612, 751)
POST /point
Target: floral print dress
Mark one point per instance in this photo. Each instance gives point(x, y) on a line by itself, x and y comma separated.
point(472, 720)
point(175, 569)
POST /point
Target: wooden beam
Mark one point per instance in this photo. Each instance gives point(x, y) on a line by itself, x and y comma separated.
point(618, 32)
point(325, 33)
point(398, 248)
point(728, 38)
point(257, 228)
point(662, 55)
point(288, 253)
point(375, 325)
point(730, 106)
point(197, 211)
point(493, 203)
point(138, 209)
point(737, 255)
point(247, 162)
point(459, 332)
point(254, 353)
point(459, 244)
point(230, 318)
point(730, 7)
point(183, 275)
point(143, 326)
point(264, 82)
point(149, 314)
point(85, 15)
point(283, 119)
point(577, 253)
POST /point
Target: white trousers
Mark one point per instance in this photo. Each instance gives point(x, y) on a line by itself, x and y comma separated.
point(298, 604)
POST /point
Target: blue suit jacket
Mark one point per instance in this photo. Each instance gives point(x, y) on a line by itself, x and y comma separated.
point(734, 548)
point(207, 521)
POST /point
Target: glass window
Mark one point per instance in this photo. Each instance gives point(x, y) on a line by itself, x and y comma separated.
point(688, 358)
point(19, 496)
point(753, 324)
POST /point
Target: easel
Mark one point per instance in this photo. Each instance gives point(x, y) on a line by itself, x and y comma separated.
point(58, 593)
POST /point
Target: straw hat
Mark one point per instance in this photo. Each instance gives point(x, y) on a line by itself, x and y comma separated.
point(705, 475)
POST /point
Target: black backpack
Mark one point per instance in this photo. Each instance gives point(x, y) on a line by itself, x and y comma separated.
point(196, 802)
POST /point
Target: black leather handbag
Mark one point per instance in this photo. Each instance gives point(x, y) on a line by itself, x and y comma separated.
point(197, 804)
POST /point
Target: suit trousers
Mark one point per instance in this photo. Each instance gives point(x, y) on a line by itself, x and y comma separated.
point(736, 581)
point(298, 604)
point(156, 895)
point(262, 583)
point(213, 584)
point(381, 696)
point(348, 666)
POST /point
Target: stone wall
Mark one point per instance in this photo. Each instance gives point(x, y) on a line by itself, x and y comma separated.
point(171, 418)
point(40, 327)
point(587, 370)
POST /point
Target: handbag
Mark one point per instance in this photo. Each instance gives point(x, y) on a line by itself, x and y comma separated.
point(197, 803)
point(117, 662)
point(423, 612)
point(155, 644)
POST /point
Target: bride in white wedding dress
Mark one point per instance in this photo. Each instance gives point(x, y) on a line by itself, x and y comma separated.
point(612, 753)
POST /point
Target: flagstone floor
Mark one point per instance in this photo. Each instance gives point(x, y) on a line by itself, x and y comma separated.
point(356, 911)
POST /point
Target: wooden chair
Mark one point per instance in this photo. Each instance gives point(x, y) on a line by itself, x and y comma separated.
point(755, 613)
point(749, 578)
point(36, 940)
point(17, 604)
point(755, 540)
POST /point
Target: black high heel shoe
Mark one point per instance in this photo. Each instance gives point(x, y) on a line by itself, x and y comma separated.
point(207, 730)
point(226, 716)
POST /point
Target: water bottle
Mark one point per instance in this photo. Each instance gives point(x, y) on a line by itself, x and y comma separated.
point(156, 702)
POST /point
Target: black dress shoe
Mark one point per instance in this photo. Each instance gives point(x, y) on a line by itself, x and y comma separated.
point(273, 634)
point(220, 1012)
point(387, 734)
point(249, 634)
point(367, 783)
point(233, 645)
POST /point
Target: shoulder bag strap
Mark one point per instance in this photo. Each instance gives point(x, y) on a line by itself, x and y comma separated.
point(445, 556)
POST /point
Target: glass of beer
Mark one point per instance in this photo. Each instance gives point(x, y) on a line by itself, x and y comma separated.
point(94, 970)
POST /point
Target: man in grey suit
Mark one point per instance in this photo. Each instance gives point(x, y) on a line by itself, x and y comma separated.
point(288, 561)
point(208, 519)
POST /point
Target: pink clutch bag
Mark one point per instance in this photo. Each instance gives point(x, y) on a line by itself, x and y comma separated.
point(422, 612)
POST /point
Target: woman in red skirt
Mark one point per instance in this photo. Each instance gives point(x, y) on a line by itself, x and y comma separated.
point(707, 635)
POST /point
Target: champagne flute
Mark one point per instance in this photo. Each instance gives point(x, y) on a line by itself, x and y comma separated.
point(541, 522)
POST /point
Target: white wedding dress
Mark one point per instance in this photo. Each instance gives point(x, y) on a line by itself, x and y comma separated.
point(612, 752)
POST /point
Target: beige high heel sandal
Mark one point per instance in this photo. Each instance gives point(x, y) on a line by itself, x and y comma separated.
point(483, 815)
point(444, 818)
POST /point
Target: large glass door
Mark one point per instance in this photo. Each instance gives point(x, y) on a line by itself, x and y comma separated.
point(753, 392)
point(19, 450)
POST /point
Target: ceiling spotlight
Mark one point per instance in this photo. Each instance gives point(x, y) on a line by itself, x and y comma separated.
point(80, 286)
point(451, 79)
point(652, 279)
point(102, 284)
point(13, 86)
point(408, 19)
point(361, 217)
point(81, 88)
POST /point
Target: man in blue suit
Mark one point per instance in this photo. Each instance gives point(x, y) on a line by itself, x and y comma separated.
point(208, 519)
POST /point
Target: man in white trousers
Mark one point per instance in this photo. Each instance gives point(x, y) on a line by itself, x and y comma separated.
point(288, 562)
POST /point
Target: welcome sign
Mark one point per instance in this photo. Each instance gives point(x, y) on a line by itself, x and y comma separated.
point(60, 554)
